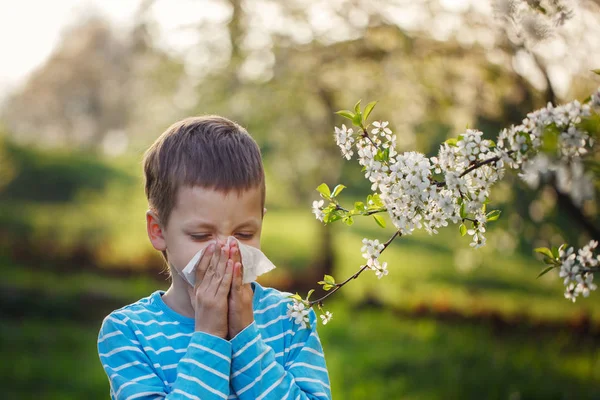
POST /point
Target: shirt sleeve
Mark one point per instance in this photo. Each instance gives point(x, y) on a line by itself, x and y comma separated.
point(255, 374)
point(202, 373)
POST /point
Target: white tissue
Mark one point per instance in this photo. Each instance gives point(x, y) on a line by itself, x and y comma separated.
point(254, 262)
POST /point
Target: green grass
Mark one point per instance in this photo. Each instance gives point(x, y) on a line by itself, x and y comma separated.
point(376, 355)
point(46, 359)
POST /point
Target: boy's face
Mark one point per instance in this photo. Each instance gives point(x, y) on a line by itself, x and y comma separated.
point(202, 215)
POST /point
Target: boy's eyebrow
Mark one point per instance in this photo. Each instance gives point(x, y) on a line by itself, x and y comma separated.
point(251, 223)
point(198, 224)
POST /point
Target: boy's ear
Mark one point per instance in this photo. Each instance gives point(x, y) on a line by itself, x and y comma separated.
point(264, 211)
point(155, 231)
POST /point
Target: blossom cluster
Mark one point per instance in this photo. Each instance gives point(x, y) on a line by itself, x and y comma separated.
point(371, 250)
point(577, 269)
point(559, 125)
point(427, 193)
point(412, 194)
point(298, 311)
point(532, 21)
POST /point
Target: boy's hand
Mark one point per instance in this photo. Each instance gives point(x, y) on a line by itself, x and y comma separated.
point(240, 297)
point(209, 295)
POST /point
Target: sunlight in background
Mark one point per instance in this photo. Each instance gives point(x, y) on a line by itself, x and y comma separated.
point(38, 25)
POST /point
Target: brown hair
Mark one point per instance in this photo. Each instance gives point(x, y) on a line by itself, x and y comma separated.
point(210, 152)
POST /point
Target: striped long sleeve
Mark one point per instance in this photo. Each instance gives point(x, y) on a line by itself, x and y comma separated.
point(202, 373)
point(149, 351)
point(256, 374)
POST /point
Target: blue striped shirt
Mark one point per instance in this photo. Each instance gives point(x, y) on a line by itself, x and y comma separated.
point(149, 351)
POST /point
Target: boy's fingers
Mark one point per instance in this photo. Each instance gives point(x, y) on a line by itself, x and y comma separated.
point(236, 255)
point(220, 268)
point(236, 284)
point(225, 284)
point(203, 262)
point(212, 265)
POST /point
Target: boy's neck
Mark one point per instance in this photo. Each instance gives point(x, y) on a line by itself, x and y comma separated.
point(177, 297)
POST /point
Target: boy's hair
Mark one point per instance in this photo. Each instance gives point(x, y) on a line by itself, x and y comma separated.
point(208, 151)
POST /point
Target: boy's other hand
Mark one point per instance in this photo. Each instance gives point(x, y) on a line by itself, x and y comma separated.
point(240, 296)
point(210, 293)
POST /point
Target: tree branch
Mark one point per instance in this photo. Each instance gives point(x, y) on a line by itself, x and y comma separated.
point(338, 286)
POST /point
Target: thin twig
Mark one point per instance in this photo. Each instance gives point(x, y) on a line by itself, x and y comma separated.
point(338, 207)
point(472, 168)
point(337, 286)
point(590, 269)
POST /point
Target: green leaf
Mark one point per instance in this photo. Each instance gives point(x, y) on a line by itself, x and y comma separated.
point(324, 190)
point(326, 286)
point(376, 199)
point(349, 221)
point(550, 137)
point(451, 142)
point(357, 107)
point(368, 110)
point(357, 119)
point(346, 114)
point(493, 215)
point(555, 251)
point(463, 229)
point(492, 144)
point(546, 270)
point(545, 251)
point(337, 190)
point(379, 219)
point(550, 261)
point(596, 71)
point(332, 217)
point(329, 279)
point(295, 296)
point(359, 206)
point(463, 215)
point(383, 155)
point(310, 292)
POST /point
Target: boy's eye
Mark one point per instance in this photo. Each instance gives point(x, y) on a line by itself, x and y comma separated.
point(244, 236)
point(200, 237)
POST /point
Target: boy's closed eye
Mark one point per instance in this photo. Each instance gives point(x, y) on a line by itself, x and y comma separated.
point(207, 236)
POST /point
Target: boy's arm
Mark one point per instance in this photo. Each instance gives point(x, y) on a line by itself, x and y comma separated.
point(202, 373)
point(255, 374)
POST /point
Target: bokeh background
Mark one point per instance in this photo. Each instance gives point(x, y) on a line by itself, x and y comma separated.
point(86, 87)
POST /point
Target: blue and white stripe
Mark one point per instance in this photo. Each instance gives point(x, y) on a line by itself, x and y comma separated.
point(150, 352)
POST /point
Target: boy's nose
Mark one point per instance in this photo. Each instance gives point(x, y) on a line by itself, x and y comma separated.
point(222, 240)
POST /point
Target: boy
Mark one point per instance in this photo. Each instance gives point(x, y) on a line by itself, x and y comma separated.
point(220, 339)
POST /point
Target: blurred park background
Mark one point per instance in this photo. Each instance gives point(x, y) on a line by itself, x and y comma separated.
point(86, 87)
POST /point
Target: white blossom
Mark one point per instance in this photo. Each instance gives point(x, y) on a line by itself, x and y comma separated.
point(344, 139)
point(371, 249)
point(381, 271)
point(326, 317)
point(381, 128)
point(577, 270)
point(317, 209)
point(298, 312)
